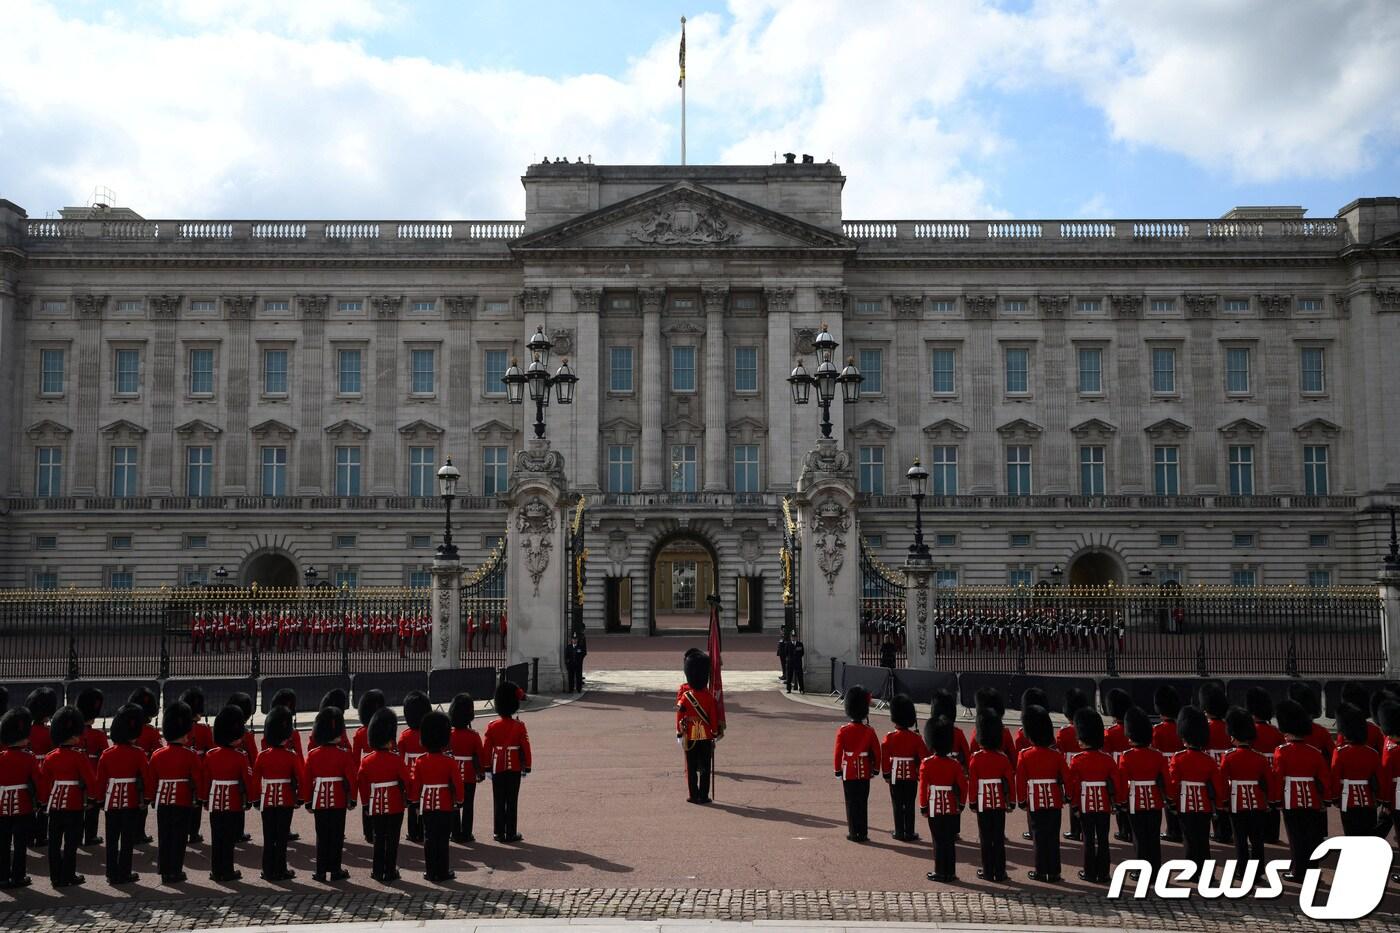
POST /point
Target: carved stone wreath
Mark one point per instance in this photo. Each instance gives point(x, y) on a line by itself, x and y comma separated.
point(921, 613)
point(683, 224)
point(444, 620)
point(830, 525)
point(535, 523)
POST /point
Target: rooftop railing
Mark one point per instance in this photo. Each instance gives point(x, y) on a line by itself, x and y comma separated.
point(1131, 231)
point(277, 230)
point(245, 503)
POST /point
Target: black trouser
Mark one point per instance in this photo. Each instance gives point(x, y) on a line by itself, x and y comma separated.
point(1195, 836)
point(65, 832)
point(1095, 829)
point(330, 839)
point(90, 825)
point(699, 759)
point(1076, 831)
point(1359, 821)
point(437, 844)
point(505, 795)
point(387, 827)
point(1306, 829)
point(15, 833)
point(172, 835)
point(415, 824)
point(991, 833)
point(1173, 826)
point(196, 818)
point(857, 801)
point(1247, 829)
point(1220, 827)
point(277, 826)
point(1045, 836)
point(41, 829)
point(944, 830)
point(798, 676)
point(1147, 843)
point(575, 671)
point(1124, 826)
point(123, 832)
point(367, 825)
point(224, 830)
point(903, 796)
point(464, 816)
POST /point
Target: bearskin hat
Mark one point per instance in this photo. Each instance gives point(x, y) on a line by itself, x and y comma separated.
point(1034, 696)
point(989, 729)
point(1192, 727)
point(507, 699)
point(1378, 699)
point(1117, 703)
point(902, 712)
point(177, 721)
point(1260, 703)
point(14, 728)
point(145, 698)
point(1075, 700)
point(228, 727)
point(1166, 701)
point(277, 726)
point(415, 706)
point(371, 702)
point(991, 698)
point(337, 698)
point(1088, 728)
point(945, 704)
point(1307, 698)
point(330, 723)
point(1137, 726)
point(67, 724)
point(857, 703)
point(194, 699)
point(1351, 723)
point(90, 703)
point(1211, 697)
point(42, 703)
point(1035, 720)
point(462, 710)
point(243, 703)
point(938, 736)
point(697, 670)
point(286, 697)
point(1357, 695)
point(383, 728)
point(1293, 718)
point(126, 725)
point(436, 731)
point(1240, 725)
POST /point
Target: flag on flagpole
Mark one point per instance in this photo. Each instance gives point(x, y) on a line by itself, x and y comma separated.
point(716, 679)
point(681, 82)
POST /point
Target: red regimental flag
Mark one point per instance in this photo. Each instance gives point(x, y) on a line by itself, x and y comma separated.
point(716, 680)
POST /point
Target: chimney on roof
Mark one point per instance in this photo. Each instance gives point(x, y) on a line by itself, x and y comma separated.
point(790, 158)
point(807, 160)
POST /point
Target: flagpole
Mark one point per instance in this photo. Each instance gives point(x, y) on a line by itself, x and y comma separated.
point(682, 90)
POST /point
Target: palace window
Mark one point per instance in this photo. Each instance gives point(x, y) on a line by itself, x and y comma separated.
point(745, 369)
point(1315, 480)
point(1169, 540)
point(1018, 470)
point(1237, 370)
point(201, 372)
point(277, 307)
point(943, 471)
point(621, 468)
point(424, 307)
point(620, 369)
point(1243, 539)
point(1319, 540)
point(1090, 370)
point(274, 471)
point(1310, 304)
point(120, 580)
point(125, 481)
point(945, 380)
point(1163, 371)
point(872, 367)
point(683, 369)
point(1319, 577)
point(423, 366)
point(495, 470)
point(1017, 361)
point(128, 372)
point(872, 471)
point(1014, 306)
point(1237, 305)
point(1241, 470)
point(1313, 371)
point(350, 307)
point(494, 364)
point(1166, 471)
point(1163, 305)
point(1091, 471)
point(422, 471)
point(943, 306)
point(684, 470)
point(869, 305)
point(1019, 576)
point(1244, 576)
point(347, 471)
point(51, 372)
point(48, 477)
point(202, 306)
point(346, 579)
point(946, 579)
point(274, 372)
point(348, 366)
point(1089, 306)
point(746, 468)
point(199, 471)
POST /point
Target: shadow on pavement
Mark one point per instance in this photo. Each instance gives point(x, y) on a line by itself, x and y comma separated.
point(777, 815)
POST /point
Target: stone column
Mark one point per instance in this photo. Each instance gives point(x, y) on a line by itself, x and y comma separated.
point(984, 370)
point(653, 463)
point(447, 612)
point(920, 637)
point(238, 391)
point(162, 366)
point(781, 359)
point(459, 393)
point(537, 565)
point(384, 442)
point(716, 394)
point(830, 569)
point(12, 309)
point(311, 383)
point(1055, 443)
point(588, 404)
point(89, 352)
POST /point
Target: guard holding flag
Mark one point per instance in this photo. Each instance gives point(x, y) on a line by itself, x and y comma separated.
point(698, 724)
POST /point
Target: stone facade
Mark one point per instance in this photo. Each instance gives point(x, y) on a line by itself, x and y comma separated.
point(1207, 397)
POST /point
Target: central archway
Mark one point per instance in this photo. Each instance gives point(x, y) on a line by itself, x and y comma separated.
point(683, 571)
point(270, 568)
point(1095, 568)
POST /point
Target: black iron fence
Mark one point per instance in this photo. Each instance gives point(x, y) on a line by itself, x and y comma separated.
point(485, 622)
point(882, 612)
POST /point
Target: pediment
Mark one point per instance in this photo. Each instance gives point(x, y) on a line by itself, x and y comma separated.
point(272, 427)
point(346, 426)
point(620, 428)
point(1094, 427)
point(1317, 427)
point(425, 428)
point(747, 427)
point(1020, 428)
point(198, 426)
point(48, 427)
point(1168, 427)
point(684, 424)
point(872, 427)
point(683, 216)
point(122, 426)
point(945, 427)
point(1242, 427)
point(498, 428)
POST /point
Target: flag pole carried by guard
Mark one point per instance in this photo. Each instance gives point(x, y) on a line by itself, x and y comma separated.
point(681, 85)
point(716, 679)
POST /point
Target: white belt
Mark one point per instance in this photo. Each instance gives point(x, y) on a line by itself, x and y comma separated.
point(1288, 783)
point(1235, 786)
point(1132, 793)
point(895, 762)
point(162, 784)
point(54, 792)
point(218, 793)
point(379, 791)
point(272, 782)
point(983, 784)
point(1031, 785)
point(935, 790)
point(316, 786)
point(1083, 793)
point(1345, 785)
point(111, 786)
point(1185, 787)
point(434, 788)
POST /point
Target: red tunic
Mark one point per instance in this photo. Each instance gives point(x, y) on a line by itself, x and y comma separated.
point(384, 781)
point(857, 754)
point(40, 740)
point(201, 738)
point(359, 744)
point(942, 786)
point(1041, 776)
point(1115, 741)
point(410, 747)
point(697, 714)
point(1020, 742)
point(1321, 740)
point(437, 783)
point(179, 776)
point(1302, 776)
point(506, 746)
point(95, 743)
point(232, 784)
point(466, 751)
point(992, 781)
point(1354, 772)
point(1093, 784)
point(1220, 742)
point(124, 778)
point(249, 748)
point(282, 776)
point(1008, 746)
point(66, 779)
point(1194, 783)
point(1249, 780)
point(1388, 778)
point(331, 777)
point(19, 780)
point(1144, 773)
point(1165, 738)
point(961, 750)
point(1067, 741)
point(901, 753)
point(149, 740)
point(1266, 737)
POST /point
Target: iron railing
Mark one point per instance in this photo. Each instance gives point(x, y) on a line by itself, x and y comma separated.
point(882, 612)
point(485, 626)
point(791, 557)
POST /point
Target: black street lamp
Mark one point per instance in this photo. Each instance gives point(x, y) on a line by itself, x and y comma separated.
point(447, 475)
point(826, 379)
point(918, 488)
point(1145, 575)
point(309, 577)
point(539, 381)
point(221, 576)
point(1056, 573)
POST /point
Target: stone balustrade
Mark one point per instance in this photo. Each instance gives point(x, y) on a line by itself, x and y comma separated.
point(1302, 231)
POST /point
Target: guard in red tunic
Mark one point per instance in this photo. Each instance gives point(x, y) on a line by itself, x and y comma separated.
point(1248, 778)
point(467, 753)
point(1355, 770)
point(338, 700)
point(1388, 777)
point(1167, 702)
point(94, 744)
point(42, 703)
point(437, 785)
point(1041, 776)
point(1194, 785)
point(179, 777)
point(943, 793)
point(231, 791)
point(992, 792)
point(1260, 704)
point(1357, 695)
point(331, 779)
point(371, 702)
point(1143, 790)
point(201, 740)
point(287, 698)
point(384, 784)
point(1068, 744)
point(697, 724)
point(1318, 736)
point(946, 705)
point(249, 747)
point(856, 760)
point(1094, 787)
point(901, 753)
point(991, 698)
point(282, 778)
point(1031, 696)
point(66, 783)
point(506, 748)
point(1115, 743)
point(415, 706)
point(125, 785)
point(1215, 703)
point(1304, 781)
point(19, 778)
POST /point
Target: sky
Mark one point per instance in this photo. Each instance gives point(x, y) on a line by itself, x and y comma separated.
point(396, 109)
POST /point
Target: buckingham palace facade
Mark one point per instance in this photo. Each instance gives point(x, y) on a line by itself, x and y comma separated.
point(1214, 400)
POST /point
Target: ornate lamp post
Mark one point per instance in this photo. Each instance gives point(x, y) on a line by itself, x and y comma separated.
point(539, 381)
point(221, 577)
point(309, 577)
point(447, 475)
point(918, 488)
point(1056, 573)
point(826, 379)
